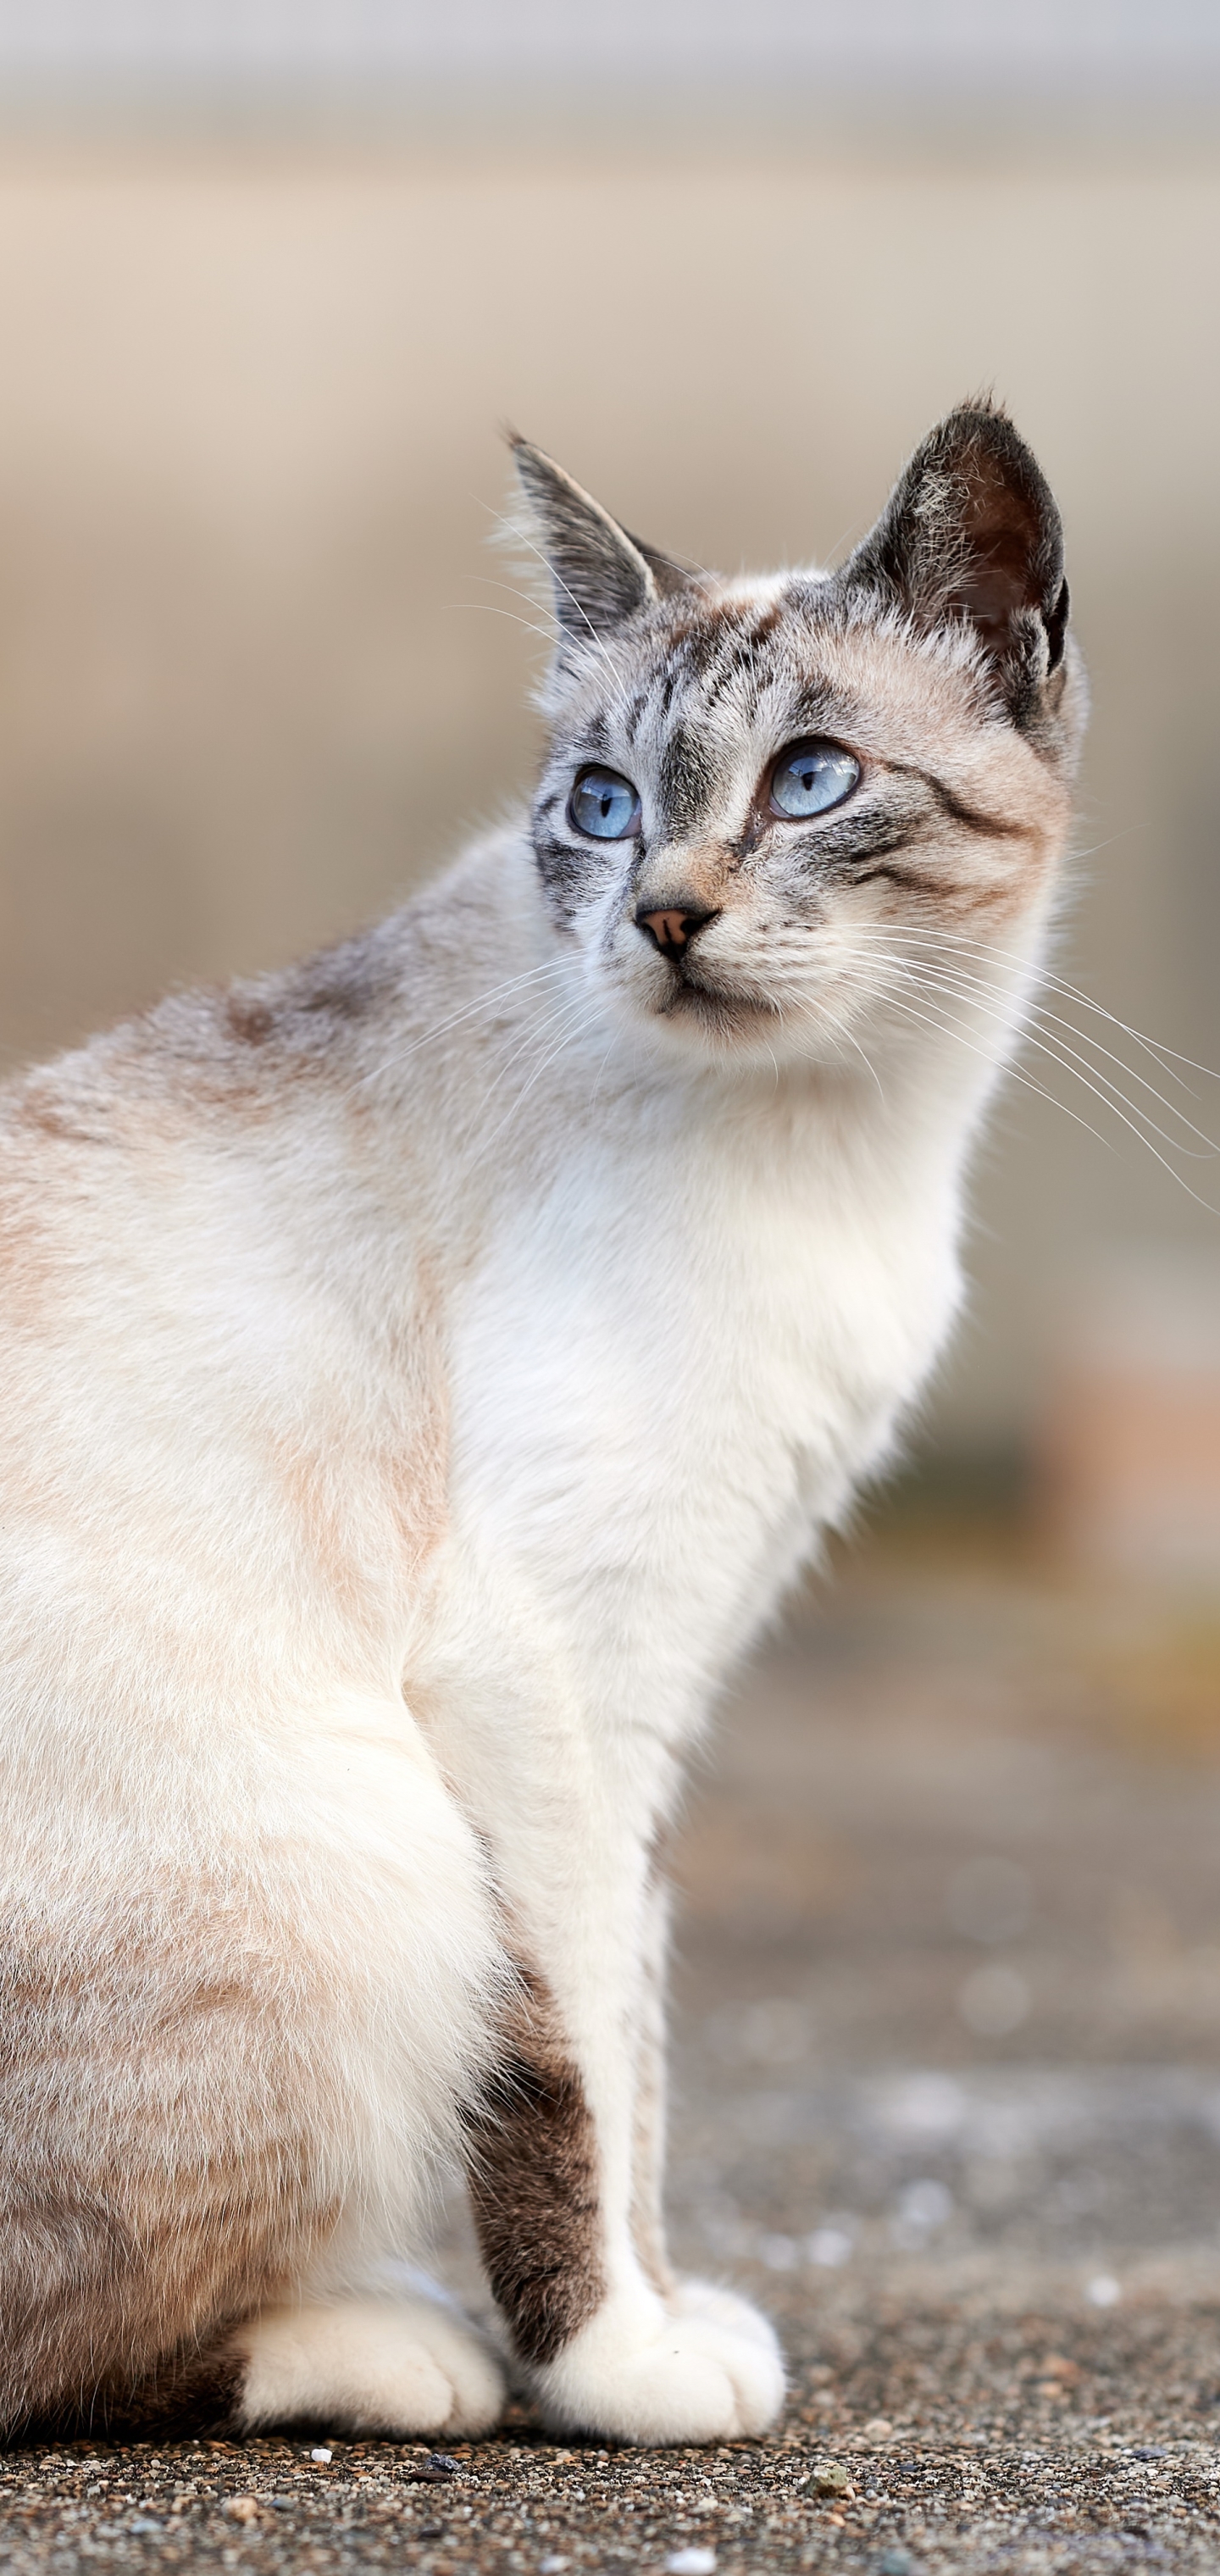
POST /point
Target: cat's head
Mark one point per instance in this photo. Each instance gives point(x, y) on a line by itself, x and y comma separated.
point(766, 803)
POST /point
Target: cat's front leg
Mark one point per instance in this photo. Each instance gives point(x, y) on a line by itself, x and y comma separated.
point(561, 2183)
point(686, 2297)
point(648, 2137)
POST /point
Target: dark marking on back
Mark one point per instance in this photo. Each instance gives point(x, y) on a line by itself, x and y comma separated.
point(534, 2181)
point(64, 1120)
point(250, 1021)
point(341, 988)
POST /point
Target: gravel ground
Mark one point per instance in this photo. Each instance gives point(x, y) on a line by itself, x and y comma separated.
point(947, 2101)
point(920, 2439)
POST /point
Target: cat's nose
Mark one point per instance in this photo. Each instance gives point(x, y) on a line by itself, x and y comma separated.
point(671, 929)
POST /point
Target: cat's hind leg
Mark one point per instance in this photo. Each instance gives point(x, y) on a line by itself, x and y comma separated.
point(391, 2366)
point(233, 2055)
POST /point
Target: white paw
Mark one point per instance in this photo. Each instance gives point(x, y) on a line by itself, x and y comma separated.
point(705, 2369)
point(391, 2366)
point(725, 2308)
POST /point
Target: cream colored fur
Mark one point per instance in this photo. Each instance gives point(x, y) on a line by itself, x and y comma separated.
point(424, 1372)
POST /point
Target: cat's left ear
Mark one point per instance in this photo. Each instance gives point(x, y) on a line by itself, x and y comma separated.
point(600, 576)
point(971, 533)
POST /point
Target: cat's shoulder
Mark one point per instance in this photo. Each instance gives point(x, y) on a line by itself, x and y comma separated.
point(229, 1050)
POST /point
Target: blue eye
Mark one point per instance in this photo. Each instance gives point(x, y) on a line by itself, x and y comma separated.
point(604, 805)
point(810, 777)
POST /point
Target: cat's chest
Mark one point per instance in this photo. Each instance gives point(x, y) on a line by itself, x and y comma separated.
point(656, 1390)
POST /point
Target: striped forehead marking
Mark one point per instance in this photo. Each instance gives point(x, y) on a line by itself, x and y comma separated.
point(688, 777)
point(735, 646)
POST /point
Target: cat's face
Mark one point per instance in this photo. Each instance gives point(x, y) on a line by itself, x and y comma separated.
point(768, 805)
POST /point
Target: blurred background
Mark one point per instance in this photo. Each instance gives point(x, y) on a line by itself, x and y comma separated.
point(271, 273)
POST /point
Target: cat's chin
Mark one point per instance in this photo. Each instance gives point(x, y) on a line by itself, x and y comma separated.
point(694, 1019)
point(710, 1007)
point(701, 1024)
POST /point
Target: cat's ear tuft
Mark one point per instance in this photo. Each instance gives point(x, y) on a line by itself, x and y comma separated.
point(600, 576)
point(971, 534)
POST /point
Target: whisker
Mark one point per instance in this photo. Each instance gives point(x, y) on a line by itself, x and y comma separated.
point(1015, 1074)
point(488, 608)
point(1032, 1010)
point(526, 1041)
point(486, 1002)
point(597, 1078)
point(852, 1039)
point(521, 536)
point(569, 1024)
point(1142, 1079)
point(1158, 1049)
point(970, 988)
point(511, 589)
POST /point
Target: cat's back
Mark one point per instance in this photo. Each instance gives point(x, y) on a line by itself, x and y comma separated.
point(138, 1176)
point(215, 1290)
point(147, 1294)
point(174, 1157)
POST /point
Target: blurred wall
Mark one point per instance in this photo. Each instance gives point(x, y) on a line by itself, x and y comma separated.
point(257, 675)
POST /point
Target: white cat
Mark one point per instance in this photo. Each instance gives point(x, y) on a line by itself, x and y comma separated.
point(423, 1371)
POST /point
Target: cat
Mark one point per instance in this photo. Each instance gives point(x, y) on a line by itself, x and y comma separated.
point(424, 1371)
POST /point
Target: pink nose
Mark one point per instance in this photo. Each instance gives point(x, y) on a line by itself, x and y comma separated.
point(670, 931)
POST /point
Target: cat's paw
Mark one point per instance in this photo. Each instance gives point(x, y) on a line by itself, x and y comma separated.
point(391, 2366)
point(724, 2308)
point(706, 2368)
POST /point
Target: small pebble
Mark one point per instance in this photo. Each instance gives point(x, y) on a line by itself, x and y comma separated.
point(243, 2508)
point(321, 2455)
point(691, 2562)
point(829, 2477)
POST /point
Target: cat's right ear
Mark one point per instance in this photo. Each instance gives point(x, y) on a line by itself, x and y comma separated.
point(600, 576)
